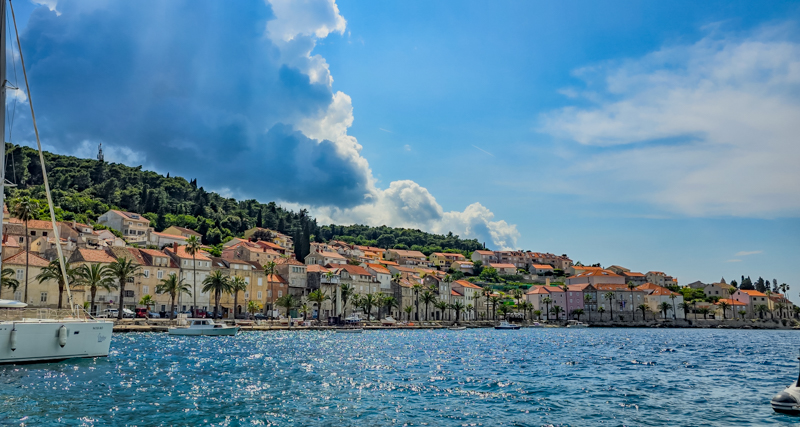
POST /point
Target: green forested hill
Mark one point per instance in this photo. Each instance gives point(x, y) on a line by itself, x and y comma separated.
point(83, 189)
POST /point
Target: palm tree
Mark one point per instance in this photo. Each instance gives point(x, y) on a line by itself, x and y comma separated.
point(538, 314)
point(665, 306)
point(742, 313)
point(305, 310)
point(192, 247)
point(53, 272)
point(123, 269)
point(476, 296)
point(724, 306)
point(369, 301)
point(632, 286)
point(704, 311)
point(644, 309)
point(8, 280)
point(269, 271)
point(694, 308)
point(503, 311)
point(409, 309)
point(428, 298)
point(347, 291)
point(318, 297)
point(25, 209)
point(457, 306)
point(600, 311)
point(390, 302)
point(518, 294)
point(95, 276)
point(288, 302)
point(237, 285)
point(379, 298)
point(147, 301)
point(556, 310)
point(253, 307)
point(173, 286)
point(494, 300)
point(761, 309)
point(547, 301)
point(442, 306)
point(218, 283)
point(468, 309)
point(610, 297)
point(577, 313)
point(685, 307)
point(672, 296)
point(417, 288)
point(780, 306)
point(487, 293)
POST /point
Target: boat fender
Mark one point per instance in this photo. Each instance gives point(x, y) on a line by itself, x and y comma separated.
point(13, 339)
point(62, 336)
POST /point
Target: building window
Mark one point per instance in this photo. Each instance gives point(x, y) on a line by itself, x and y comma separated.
point(128, 294)
point(280, 294)
point(247, 294)
point(146, 289)
point(33, 233)
point(260, 281)
point(146, 273)
point(130, 279)
point(259, 294)
point(269, 294)
point(44, 233)
point(18, 295)
point(43, 297)
point(20, 274)
point(247, 280)
point(160, 274)
point(21, 239)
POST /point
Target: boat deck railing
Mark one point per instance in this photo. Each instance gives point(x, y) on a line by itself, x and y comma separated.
point(40, 314)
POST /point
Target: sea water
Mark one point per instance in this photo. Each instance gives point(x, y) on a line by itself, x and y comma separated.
point(478, 377)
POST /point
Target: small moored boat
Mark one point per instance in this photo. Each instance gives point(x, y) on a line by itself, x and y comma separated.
point(457, 328)
point(576, 324)
point(788, 401)
point(204, 327)
point(506, 325)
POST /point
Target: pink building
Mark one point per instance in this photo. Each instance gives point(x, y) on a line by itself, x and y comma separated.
point(752, 298)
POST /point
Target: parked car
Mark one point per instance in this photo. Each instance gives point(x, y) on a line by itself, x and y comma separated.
point(110, 313)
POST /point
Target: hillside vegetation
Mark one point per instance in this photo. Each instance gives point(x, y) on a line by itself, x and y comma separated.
point(84, 189)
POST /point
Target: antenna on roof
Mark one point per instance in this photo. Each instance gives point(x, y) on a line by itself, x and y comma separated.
point(100, 152)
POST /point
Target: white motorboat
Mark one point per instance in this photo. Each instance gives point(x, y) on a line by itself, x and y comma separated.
point(506, 325)
point(788, 401)
point(198, 327)
point(43, 335)
point(457, 328)
point(576, 324)
point(537, 325)
point(388, 321)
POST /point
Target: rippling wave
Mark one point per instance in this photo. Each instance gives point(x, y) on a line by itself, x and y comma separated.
point(469, 378)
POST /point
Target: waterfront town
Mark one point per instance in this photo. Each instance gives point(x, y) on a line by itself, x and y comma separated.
point(337, 279)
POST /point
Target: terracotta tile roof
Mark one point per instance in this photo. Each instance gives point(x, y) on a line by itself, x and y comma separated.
point(379, 268)
point(404, 269)
point(614, 287)
point(186, 230)
point(385, 262)
point(656, 290)
point(355, 270)
point(269, 245)
point(407, 254)
point(92, 255)
point(33, 260)
point(632, 274)
point(454, 293)
point(467, 284)
point(256, 265)
point(288, 261)
point(499, 265)
point(484, 252)
point(130, 216)
point(581, 287)
point(730, 302)
point(316, 268)
point(752, 293)
point(276, 278)
point(181, 253)
point(327, 254)
point(542, 266)
point(597, 273)
point(34, 223)
point(169, 236)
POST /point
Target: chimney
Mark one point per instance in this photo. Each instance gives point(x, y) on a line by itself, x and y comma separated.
point(175, 247)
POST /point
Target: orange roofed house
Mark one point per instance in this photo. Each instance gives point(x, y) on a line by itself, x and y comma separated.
point(752, 299)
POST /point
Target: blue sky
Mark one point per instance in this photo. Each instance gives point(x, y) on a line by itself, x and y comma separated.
point(653, 135)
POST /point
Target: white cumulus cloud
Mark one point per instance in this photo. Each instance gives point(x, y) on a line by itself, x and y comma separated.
point(705, 129)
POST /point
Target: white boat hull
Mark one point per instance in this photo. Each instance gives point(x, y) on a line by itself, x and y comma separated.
point(39, 341)
point(226, 331)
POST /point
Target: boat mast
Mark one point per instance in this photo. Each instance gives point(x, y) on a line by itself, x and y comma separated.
point(2, 119)
point(61, 260)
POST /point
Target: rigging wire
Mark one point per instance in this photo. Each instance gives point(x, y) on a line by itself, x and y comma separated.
point(10, 116)
point(61, 260)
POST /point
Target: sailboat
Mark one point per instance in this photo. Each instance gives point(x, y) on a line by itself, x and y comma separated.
point(30, 335)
